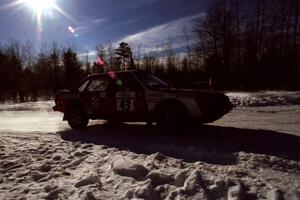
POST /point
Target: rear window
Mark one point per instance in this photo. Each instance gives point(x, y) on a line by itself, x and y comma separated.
point(151, 81)
point(98, 85)
point(83, 86)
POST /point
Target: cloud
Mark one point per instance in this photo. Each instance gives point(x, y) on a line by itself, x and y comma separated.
point(85, 26)
point(99, 21)
point(91, 53)
point(156, 36)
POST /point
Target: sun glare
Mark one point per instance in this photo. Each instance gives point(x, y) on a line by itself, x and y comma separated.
point(38, 9)
point(41, 5)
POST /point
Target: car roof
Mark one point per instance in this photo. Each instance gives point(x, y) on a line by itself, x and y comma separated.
point(106, 73)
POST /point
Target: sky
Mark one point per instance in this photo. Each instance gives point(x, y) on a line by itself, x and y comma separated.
point(83, 24)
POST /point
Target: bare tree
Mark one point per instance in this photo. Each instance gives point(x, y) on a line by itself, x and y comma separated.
point(187, 39)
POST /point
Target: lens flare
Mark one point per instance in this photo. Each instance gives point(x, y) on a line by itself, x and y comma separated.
point(71, 29)
point(112, 74)
point(119, 82)
point(100, 61)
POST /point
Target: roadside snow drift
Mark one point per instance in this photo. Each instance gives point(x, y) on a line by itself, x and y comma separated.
point(47, 167)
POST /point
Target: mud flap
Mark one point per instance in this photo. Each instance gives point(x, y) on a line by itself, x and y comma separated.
point(65, 117)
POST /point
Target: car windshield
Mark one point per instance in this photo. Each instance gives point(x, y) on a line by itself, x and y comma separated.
point(151, 81)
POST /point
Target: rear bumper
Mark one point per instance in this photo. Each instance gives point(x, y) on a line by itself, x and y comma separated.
point(55, 108)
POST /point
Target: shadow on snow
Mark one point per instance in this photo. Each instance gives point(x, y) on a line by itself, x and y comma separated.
point(211, 144)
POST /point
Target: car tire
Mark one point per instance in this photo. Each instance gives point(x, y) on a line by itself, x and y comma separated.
point(169, 119)
point(77, 118)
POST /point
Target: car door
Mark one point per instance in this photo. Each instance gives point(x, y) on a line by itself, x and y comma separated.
point(128, 97)
point(95, 97)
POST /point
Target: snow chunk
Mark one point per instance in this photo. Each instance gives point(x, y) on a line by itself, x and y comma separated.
point(192, 188)
point(180, 178)
point(89, 196)
point(193, 180)
point(45, 167)
point(91, 179)
point(159, 178)
point(36, 176)
point(158, 156)
point(54, 194)
point(56, 157)
point(235, 193)
point(145, 191)
point(76, 162)
point(125, 168)
point(218, 189)
point(275, 194)
point(162, 191)
point(49, 188)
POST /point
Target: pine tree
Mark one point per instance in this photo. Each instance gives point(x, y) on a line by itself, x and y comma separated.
point(124, 57)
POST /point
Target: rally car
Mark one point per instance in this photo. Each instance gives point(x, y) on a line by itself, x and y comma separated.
point(138, 96)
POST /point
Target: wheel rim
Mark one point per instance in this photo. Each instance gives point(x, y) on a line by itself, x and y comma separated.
point(75, 117)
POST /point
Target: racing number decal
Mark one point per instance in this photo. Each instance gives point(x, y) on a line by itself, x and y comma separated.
point(125, 101)
point(125, 105)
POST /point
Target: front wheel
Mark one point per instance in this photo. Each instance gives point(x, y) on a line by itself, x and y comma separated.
point(77, 118)
point(169, 118)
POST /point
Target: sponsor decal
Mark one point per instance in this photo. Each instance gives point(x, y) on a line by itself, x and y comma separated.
point(125, 94)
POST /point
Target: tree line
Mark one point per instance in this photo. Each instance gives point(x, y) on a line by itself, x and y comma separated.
point(252, 41)
point(240, 44)
point(26, 76)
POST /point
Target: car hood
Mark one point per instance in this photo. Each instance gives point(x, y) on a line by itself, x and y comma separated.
point(187, 92)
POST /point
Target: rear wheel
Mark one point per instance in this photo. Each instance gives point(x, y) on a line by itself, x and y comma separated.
point(77, 118)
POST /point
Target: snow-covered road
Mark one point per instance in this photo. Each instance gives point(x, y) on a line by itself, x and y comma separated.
point(275, 111)
point(251, 153)
point(271, 110)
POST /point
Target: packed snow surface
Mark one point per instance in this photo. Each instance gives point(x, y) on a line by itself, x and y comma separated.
point(251, 153)
point(268, 110)
point(266, 98)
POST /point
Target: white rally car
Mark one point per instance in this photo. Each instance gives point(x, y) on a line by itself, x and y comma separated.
point(137, 96)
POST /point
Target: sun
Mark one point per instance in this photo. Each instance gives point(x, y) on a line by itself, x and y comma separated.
point(40, 5)
point(38, 9)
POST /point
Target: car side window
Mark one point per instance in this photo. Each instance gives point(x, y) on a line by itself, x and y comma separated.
point(98, 85)
point(127, 82)
point(83, 86)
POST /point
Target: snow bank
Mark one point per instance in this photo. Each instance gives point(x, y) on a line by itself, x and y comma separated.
point(28, 106)
point(47, 167)
point(267, 98)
